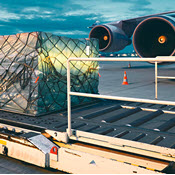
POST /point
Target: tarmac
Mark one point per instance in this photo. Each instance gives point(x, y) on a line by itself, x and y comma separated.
point(12, 166)
point(141, 78)
point(141, 85)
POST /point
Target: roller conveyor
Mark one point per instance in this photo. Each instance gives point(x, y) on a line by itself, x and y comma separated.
point(132, 122)
point(106, 118)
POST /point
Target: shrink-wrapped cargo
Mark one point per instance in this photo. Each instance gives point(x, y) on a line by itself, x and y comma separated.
point(33, 72)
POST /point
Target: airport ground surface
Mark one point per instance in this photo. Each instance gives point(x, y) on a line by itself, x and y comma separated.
point(13, 166)
point(140, 78)
point(141, 85)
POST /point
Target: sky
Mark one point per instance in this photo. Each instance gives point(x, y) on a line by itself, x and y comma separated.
point(72, 17)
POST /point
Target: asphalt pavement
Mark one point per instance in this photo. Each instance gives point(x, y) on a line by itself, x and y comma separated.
point(12, 166)
point(141, 79)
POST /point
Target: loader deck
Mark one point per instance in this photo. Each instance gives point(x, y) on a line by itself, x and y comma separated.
point(141, 122)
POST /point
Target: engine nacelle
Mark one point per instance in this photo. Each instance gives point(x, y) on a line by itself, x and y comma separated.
point(111, 38)
point(155, 36)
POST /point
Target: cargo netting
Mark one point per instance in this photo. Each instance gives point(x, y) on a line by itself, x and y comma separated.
point(33, 72)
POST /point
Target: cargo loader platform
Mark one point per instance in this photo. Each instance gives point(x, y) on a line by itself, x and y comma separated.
point(112, 135)
point(151, 127)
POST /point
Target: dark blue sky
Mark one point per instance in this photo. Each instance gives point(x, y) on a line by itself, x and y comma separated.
point(71, 17)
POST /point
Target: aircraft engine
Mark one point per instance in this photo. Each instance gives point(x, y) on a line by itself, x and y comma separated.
point(111, 38)
point(155, 36)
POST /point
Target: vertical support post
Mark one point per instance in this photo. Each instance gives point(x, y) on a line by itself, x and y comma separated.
point(68, 99)
point(156, 80)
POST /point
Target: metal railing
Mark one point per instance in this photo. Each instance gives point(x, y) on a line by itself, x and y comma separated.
point(160, 77)
point(69, 93)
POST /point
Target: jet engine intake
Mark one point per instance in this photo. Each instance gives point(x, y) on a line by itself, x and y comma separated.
point(111, 38)
point(155, 36)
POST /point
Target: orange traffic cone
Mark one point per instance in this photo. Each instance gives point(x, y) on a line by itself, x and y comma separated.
point(129, 65)
point(125, 81)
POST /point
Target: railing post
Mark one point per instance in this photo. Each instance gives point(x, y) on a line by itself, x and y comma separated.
point(68, 99)
point(156, 80)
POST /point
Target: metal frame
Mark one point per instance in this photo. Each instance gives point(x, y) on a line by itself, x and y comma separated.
point(115, 143)
point(69, 93)
point(160, 77)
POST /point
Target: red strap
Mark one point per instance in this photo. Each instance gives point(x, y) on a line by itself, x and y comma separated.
point(36, 79)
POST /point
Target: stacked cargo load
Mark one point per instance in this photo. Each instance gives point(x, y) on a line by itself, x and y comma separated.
point(33, 72)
